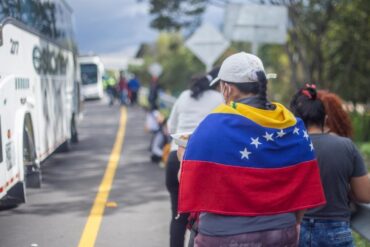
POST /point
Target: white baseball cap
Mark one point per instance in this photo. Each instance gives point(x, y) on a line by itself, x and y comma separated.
point(239, 68)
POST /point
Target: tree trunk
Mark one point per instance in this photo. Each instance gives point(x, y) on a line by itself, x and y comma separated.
point(293, 67)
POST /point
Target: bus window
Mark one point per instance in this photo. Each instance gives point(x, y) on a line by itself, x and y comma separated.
point(89, 74)
point(1, 145)
point(1, 11)
point(5, 10)
point(51, 18)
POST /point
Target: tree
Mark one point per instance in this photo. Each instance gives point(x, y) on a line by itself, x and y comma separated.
point(347, 49)
point(310, 21)
point(171, 15)
point(179, 64)
point(327, 43)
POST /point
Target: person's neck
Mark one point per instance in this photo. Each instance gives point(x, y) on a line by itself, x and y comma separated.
point(243, 96)
point(315, 129)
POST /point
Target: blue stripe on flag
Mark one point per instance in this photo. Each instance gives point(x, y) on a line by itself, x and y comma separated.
point(235, 140)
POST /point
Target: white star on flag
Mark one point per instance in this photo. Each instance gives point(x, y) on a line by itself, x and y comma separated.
point(245, 153)
point(296, 131)
point(305, 135)
point(268, 136)
point(311, 146)
point(255, 142)
point(281, 133)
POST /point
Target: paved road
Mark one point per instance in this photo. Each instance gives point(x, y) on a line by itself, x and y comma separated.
point(138, 208)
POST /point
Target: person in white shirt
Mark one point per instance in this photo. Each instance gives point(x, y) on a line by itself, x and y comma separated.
point(189, 110)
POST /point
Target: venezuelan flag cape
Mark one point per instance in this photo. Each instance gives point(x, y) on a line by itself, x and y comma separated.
point(246, 161)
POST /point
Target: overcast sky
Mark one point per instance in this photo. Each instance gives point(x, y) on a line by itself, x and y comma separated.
point(117, 26)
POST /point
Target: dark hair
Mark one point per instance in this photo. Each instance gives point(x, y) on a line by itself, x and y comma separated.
point(262, 86)
point(259, 88)
point(250, 87)
point(308, 107)
point(200, 83)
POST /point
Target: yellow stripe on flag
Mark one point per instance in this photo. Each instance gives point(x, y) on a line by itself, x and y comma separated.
point(279, 118)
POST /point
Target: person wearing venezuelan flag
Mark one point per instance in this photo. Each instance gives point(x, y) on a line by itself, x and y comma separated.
point(249, 168)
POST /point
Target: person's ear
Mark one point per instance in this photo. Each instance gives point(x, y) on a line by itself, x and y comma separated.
point(232, 91)
point(223, 88)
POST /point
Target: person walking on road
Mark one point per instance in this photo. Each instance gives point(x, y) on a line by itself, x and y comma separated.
point(122, 89)
point(248, 168)
point(109, 84)
point(189, 110)
point(133, 87)
point(344, 175)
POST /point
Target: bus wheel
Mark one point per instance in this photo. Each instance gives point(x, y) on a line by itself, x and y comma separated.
point(33, 178)
point(74, 132)
point(32, 169)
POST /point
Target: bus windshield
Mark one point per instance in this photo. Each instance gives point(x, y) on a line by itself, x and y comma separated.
point(89, 74)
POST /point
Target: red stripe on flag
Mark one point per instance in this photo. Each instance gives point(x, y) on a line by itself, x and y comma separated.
point(230, 190)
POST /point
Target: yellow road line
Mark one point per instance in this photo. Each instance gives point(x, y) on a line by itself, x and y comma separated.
point(92, 226)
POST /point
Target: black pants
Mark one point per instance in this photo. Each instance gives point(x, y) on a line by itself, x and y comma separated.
point(178, 226)
point(133, 97)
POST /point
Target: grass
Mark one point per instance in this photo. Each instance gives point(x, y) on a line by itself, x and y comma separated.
point(365, 151)
point(359, 241)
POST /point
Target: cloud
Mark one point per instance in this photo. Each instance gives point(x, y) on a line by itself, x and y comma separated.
point(214, 15)
point(119, 60)
point(108, 26)
point(111, 25)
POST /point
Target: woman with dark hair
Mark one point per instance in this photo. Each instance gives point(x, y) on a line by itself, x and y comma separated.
point(189, 110)
point(343, 175)
point(243, 165)
point(337, 119)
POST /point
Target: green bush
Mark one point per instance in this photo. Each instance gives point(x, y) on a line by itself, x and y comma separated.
point(359, 241)
point(365, 151)
point(361, 127)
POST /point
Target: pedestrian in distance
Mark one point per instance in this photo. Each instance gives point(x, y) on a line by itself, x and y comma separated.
point(109, 84)
point(133, 87)
point(154, 93)
point(153, 121)
point(249, 167)
point(159, 140)
point(191, 107)
point(122, 89)
point(343, 173)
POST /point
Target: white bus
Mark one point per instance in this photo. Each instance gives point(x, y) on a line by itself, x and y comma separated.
point(92, 71)
point(39, 93)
